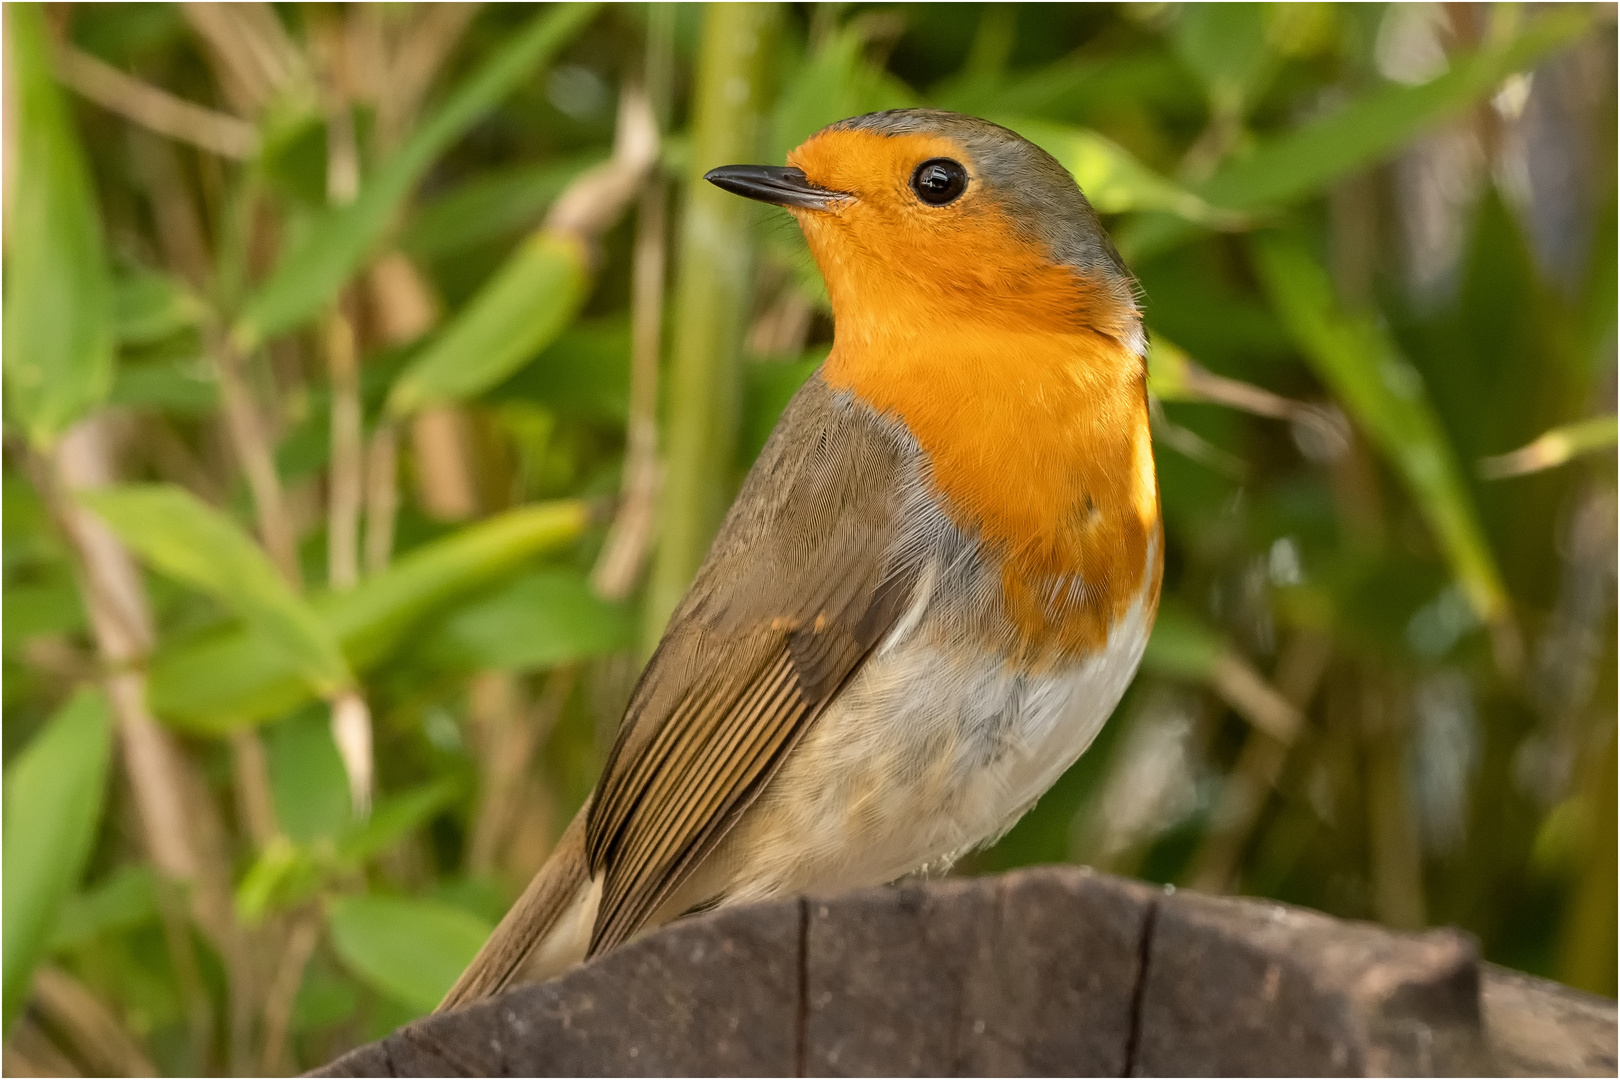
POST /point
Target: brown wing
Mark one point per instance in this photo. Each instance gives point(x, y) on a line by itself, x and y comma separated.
point(797, 589)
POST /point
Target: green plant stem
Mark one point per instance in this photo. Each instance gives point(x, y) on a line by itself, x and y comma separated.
point(711, 300)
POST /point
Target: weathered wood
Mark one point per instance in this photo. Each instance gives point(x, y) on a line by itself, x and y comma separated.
point(1268, 990)
point(1539, 1028)
point(1051, 971)
point(1028, 973)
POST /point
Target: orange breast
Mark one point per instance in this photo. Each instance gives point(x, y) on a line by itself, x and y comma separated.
point(1035, 426)
point(1043, 457)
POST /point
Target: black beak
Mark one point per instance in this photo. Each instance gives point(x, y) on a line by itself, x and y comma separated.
point(767, 183)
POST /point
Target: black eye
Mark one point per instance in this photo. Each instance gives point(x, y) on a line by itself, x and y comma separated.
point(939, 181)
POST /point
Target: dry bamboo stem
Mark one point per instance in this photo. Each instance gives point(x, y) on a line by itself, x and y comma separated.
point(186, 251)
point(630, 536)
point(68, 1006)
point(30, 1052)
point(179, 228)
point(508, 732)
point(176, 820)
point(251, 53)
point(402, 309)
point(416, 59)
point(1259, 765)
point(441, 446)
point(382, 496)
point(351, 717)
point(250, 777)
point(283, 990)
point(589, 205)
point(245, 429)
point(122, 626)
point(153, 108)
point(346, 483)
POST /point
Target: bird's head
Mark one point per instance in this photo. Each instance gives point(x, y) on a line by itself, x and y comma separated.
point(920, 218)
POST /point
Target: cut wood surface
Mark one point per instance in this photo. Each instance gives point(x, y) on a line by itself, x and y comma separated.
point(1049, 971)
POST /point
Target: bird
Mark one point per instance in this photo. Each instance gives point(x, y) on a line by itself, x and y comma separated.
point(935, 583)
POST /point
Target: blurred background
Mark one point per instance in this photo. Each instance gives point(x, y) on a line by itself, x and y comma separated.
point(376, 376)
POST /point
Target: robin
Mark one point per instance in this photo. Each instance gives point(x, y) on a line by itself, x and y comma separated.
point(936, 582)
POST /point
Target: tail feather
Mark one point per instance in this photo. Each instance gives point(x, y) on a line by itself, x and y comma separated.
point(523, 948)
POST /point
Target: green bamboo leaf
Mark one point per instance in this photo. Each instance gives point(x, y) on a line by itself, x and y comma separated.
point(308, 784)
point(195, 544)
point(125, 899)
point(1361, 132)
point(411, 950)
point(284, 874)
point(1168, 370)
point(310, 274)
point(1355, 356)
point(58, 305)
point(540, 620)
point(1114, 181)
point(53, 802)
point(1073, 87)
point(150, 306)
point(184, 388)
point(490, 206)
point(1181, 645)
point(836, 81)
point(394, 817)
point(1377, 124)
point(289, 871)
point(581, 375)
point(1225, 46)
point(223, 682)
point(530, 300)
point(1553, 448)
point(47, 608)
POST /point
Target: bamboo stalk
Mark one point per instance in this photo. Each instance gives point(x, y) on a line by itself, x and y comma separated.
point(176, 824)
point(122, 626)
point(630, 536)
point(155, 108)
point(1396, 861)
point(185, 249)
point(346, 481)
point(351, 731)
point(418, 57)
point(382, 496)
point(441, 447)
point(713, 285)
point(508, 731)
point(179, 227)
point(67, 1005)
point(282, 992)
point(251, 53)
point(246, 431)
point(1259, 765)
point(402, 309)
point(30, 1052)
point(1586, 939)
point(250, 780)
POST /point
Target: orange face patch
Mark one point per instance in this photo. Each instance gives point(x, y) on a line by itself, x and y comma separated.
point(885, 249)
point(1011, 370)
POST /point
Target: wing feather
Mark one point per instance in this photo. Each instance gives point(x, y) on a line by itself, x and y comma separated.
point(801, 584)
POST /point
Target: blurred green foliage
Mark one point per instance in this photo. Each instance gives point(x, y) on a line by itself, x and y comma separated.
point(1376, 247)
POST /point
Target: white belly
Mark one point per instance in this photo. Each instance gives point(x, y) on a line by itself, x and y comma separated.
point(922, 757)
